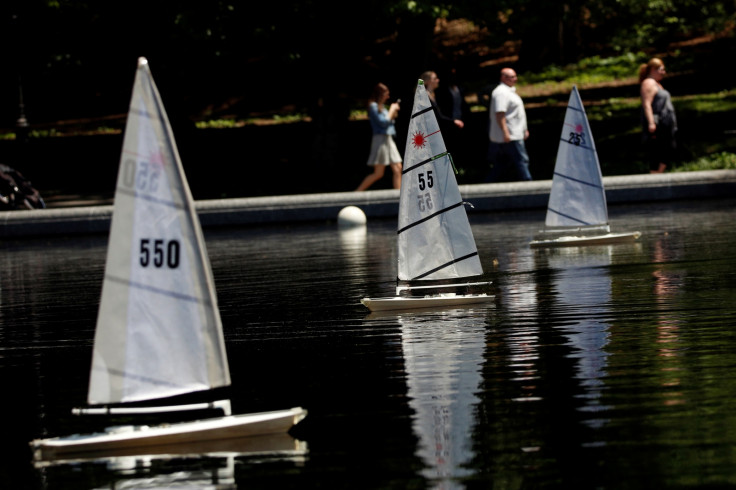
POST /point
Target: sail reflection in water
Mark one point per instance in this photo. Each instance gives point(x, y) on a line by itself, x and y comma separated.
point(556, 407)
point(443, 356)
point(210, 464)
point(581, 284)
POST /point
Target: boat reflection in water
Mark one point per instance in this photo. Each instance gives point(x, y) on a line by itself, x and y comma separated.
point(581, 285)
point(196, 465)
point(668, 286)
point(443, 356)
point(593, 367)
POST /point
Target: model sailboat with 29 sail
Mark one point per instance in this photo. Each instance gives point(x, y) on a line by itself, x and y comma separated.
point(577, 213)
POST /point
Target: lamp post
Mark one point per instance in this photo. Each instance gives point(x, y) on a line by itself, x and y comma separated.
point(21, 125)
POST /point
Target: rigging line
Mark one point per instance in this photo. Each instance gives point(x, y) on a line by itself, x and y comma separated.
point(152, 289)
point(165, 124)
point(568, 216)
point(149, 198)
point(423, 111)
point(454, 261)
point(578, 180)
point(424, 162)
point(150, 94)
point(452, 162)
point(411, 225)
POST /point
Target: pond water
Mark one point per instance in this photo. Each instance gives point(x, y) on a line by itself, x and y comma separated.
point(595, 367)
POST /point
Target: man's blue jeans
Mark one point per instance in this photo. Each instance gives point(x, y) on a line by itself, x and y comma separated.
point(508, 160)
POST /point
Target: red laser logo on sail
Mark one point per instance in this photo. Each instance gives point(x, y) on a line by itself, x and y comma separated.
point(418, 140)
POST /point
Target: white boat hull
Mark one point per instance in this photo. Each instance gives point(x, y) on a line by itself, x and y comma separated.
point(270, 444)
point(143, 437)
point(417, 302)
point(575, 241)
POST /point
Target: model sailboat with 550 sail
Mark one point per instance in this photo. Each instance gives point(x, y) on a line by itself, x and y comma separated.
point(158, 330)
point(577, 213)
point(435, 241)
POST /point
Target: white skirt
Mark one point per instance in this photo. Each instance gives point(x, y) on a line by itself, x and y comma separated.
point(383, 150)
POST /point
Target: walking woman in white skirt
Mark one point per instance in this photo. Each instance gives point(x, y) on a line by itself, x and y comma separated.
point(383, 147)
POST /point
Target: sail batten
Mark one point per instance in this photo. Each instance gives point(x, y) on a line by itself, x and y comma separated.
point(579, 181)
point(568, 217)
point(164, 383)
point(443, 246)
point(150, 289)
point(431, 216)
point(428, 160)
point(452, 262)
point(158, 330)
point(416, 166)
point(153, 199)
point(423, 111)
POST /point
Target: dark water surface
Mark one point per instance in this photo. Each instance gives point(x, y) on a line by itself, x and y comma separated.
point(596, 367)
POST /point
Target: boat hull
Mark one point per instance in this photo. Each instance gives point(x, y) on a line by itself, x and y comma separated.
point(270, 444)
point(576, 241)
point(130, 438)
point(418, 302)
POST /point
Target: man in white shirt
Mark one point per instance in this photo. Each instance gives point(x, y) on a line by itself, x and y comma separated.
point(507, 131)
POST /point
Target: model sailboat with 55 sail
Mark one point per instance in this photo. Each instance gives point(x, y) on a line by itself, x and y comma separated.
point(158, 330)
point(577, 213)
point(435, 241)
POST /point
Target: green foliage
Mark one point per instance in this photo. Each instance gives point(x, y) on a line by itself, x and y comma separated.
point(219, 124)
point(358, 114)
point(656, 23)
point(724, 101)
point(562, 32)
point(289, 118)
point(716, 161)
point(613, 108)
point(55, 133)
point(420, 7)
point(239, 123)
point(595, 69)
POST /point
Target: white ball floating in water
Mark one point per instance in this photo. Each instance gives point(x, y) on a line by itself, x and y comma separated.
point(351, 216)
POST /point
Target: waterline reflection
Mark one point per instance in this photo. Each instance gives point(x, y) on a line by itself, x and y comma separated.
point(605, 368)
point(443, 356)
point(581, 289)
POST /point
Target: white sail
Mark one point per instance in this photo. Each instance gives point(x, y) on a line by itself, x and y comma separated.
point(577, 197)
point(434, 237)
point(158, 331)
